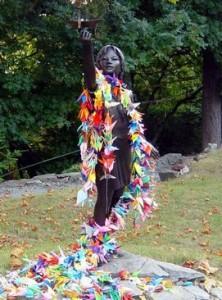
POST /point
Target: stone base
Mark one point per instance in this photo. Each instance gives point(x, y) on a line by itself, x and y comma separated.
point(150, 267)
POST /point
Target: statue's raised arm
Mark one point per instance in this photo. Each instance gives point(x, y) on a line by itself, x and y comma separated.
point(88, 59)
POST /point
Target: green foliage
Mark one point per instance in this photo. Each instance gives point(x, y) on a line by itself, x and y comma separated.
point(163, 44)
point(40, 64)
point(40, 73)
point(7, 158)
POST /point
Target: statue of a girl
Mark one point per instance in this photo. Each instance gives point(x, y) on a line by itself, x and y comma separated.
point(109, 134)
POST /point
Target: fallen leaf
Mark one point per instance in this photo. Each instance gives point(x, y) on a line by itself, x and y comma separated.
point(17, 252)
point(50, 192)
point(55, 239)
point(204, 244)
point(15, 257)
point(180, 234)
point(205, 267)
point(15, 263)
point(215, 210)
point(24, 203)
point(23, 224)
point(61, 206)
point(202, 265)
point(188, 230)
point(34, 228)
point(50, 208)
point(148, 228)
point(156, 243)
point(206, 229)
point(25, 212)
point(75, 221)
point(219, 253)
point(189, 264)
point(209, 283)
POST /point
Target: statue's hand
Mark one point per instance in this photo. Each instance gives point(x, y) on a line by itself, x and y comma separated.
point(85, 35)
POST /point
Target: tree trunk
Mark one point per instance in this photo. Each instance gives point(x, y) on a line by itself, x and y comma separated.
point(211, 106)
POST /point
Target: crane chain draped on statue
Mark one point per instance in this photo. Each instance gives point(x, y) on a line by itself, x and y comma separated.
point(96, 137)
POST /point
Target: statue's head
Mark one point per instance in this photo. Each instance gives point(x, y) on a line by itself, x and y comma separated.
point(110, 60)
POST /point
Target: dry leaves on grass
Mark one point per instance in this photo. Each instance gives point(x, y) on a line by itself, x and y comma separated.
point(218, 252)
point(188, 230)
point(204, 244)
point(7, 240)
point(16, 257)
point(202, 265)
point(209, 283)
point(3, 219)
point(206, 229)
point(214, 211)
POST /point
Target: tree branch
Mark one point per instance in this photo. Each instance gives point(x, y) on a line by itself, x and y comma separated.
point(185, 100)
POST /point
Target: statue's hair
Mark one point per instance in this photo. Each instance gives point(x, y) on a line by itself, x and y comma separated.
point(118, 52)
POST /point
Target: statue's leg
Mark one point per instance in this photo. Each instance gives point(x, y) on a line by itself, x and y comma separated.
point(104, 199)
point(115, 199)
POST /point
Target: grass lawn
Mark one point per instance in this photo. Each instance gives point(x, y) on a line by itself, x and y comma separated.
point(186, 226)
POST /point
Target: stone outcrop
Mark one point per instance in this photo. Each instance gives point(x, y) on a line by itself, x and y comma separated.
point(39, 184)
point(187, 283)
point(171, 165)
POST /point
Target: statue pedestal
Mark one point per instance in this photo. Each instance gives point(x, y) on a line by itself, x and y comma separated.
point(147, 267)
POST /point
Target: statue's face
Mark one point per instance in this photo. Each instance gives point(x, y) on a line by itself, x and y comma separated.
point(110, 62)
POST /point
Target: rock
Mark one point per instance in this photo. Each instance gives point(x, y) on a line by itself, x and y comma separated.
point(178, 167)
point(216, 294)
point(171, 165)
point(168, 174)
point(74, 177)
point(46, 177)
point(149, 267)
point(197, 292)
point(133, 263)
point(30, 182)
point(39, 184)
point(210, 148)
point(176, 293)
point(167, 160)
point(182, 293)
point(131, 286)
point(177, 272)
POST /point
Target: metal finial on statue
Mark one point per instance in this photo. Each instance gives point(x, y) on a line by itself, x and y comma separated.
point(79, 19)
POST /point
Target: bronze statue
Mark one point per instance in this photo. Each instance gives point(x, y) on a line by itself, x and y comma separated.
point(110, 61)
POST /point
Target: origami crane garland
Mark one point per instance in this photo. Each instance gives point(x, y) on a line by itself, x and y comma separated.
point(72, 276)
point(96, 145)
point(75, 275)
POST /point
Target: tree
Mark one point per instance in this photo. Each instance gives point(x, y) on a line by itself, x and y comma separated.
point(177, 40)
point(162, 47)
point(212, 106)
point(172, 51)
point(39, 80)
